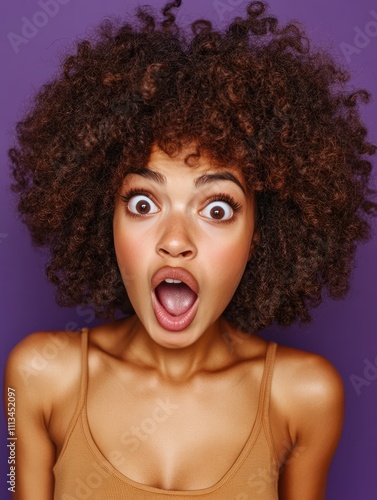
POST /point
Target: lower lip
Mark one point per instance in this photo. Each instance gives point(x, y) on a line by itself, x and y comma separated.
point(170, 322)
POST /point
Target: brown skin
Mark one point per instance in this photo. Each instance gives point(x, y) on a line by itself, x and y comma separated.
point(134, 361)
point(306, 409)
point(256, 100)
point(254, 96)
point(180, 232)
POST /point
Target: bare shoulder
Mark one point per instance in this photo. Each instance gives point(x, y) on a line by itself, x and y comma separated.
point(52, 359)
point(304, 372)
point(43, 370)
point(307, 403)
point(308, 390)
point(301, 378)
point(42, 359)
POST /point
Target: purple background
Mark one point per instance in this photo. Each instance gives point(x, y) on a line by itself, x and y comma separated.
point(344, 331)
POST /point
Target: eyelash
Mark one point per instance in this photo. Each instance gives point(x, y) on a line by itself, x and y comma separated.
point(235, 206)
point(135, 192)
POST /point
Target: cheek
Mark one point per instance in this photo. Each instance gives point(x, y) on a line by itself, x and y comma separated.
point(228, 263)
point(228, 259)
point(231, 247)
point(129, 259)
point(128, 250)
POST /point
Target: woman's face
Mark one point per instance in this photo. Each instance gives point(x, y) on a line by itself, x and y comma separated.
point(183, 235)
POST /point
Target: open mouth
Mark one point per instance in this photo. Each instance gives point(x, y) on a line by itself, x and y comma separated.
point(175, 298)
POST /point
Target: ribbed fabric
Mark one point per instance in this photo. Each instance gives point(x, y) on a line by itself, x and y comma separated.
point(82, 472)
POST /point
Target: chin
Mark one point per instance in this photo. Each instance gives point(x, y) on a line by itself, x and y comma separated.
point(174, 340)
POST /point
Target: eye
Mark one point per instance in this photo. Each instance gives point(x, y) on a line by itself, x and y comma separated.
point(141, 205)
point(218, 210)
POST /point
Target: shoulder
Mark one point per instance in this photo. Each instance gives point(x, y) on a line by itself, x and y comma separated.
point(307, 399)
point(44, 351)
point(301, 371)
point(42, 371)
point(42, 359)
point(308, 391)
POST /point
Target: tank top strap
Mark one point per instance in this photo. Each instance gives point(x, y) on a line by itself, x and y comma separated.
point(265, 391)
point(84, 365)
point(83, 391)
point(264, 398)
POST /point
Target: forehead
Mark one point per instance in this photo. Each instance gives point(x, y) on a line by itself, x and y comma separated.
point(186, 165)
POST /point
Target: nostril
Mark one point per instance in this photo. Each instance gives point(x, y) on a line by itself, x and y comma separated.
point(176, 242)
point(176, 250)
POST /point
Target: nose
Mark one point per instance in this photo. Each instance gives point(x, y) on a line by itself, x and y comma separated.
point(176, 239)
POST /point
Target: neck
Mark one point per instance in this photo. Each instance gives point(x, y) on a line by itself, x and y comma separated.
point(180, 364)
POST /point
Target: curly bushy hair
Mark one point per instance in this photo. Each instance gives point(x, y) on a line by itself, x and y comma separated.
point(255, 95)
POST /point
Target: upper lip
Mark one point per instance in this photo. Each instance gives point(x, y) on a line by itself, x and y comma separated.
point(175, 273)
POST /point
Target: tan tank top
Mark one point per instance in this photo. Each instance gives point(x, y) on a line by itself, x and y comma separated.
point(82, 472)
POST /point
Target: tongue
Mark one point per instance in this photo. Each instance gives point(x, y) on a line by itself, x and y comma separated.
point(176, 298)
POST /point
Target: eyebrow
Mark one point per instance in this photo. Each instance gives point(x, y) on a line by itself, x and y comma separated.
point(200, 181)
point(149, 174)
point(218, 176)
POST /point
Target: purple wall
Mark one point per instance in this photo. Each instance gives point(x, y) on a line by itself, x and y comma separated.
point(33, 34)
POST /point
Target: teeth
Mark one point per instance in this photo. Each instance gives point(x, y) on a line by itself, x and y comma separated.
point(169, 280)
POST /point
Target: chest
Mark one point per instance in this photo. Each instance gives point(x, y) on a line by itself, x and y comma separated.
point(184, 437)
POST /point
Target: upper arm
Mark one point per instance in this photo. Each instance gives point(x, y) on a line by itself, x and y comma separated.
point(35, 452)
point(315, 424)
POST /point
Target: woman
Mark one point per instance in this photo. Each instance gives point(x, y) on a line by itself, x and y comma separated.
point(198, 184)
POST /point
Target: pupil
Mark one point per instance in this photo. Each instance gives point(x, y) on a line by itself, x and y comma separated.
point(142, 207)
point(217, 212)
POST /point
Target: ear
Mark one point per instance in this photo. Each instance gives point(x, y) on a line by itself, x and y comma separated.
point(254, 242)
